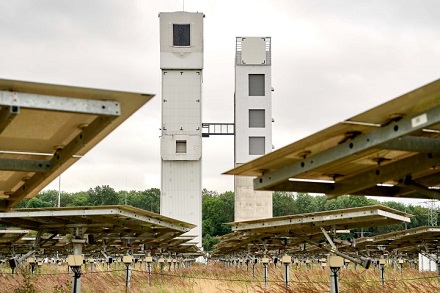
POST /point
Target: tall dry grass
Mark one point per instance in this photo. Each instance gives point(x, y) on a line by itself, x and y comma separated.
point(217, 278)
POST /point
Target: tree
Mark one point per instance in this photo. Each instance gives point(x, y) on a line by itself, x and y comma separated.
point(103, 195)
point(360, 201)
point(420, 216)
point(208, 242)
point(49, 196)
point(216, 211)
point(283, 204)
point(228, 199)
point(395, 205)
point(36, 202)
point(78, 199)
point(148, 199)
point(305, 203)
point(214, 216)
point(152, 199)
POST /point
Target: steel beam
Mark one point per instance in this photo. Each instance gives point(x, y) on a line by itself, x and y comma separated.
point(326, 188)
point(357, 145)
point(391, 171)
point(303, 186)
point(422, 189)
point(63, 104)
point(413, 144)
point(25, 165)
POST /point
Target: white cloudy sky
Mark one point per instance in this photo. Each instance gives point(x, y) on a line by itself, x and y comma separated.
point(331, 60)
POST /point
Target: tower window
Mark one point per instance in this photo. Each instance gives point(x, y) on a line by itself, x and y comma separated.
point(256, 85)
point(257, 118)
point(180, 146)
point(256, 145)
point(181, 35)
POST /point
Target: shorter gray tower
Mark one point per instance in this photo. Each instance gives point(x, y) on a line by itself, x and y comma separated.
point(253, 122)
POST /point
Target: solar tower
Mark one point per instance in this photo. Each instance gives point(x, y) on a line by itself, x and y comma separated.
point(253, 122)
point(181, 62)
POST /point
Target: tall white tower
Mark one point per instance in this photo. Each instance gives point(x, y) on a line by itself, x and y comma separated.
point(181, 62)
point(253, 122)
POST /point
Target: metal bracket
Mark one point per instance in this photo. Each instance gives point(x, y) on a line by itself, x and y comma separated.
point(53, 103)
point(329, 239)
point(77, 230)
point(7, 114)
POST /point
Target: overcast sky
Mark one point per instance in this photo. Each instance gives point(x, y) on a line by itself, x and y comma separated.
point(331, 60)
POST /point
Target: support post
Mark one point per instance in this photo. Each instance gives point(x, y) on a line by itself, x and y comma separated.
point(149, 261)
point(109, 261)
point(323, 262)
point(57, 264)
point(169, 262)
point(13, 263)
point(75, 262)
point(401, 265)
point(92, 264)
point(438, 269)
point(286, 260)
point(161, 264)
point(31, 261)
point(265, 262)
point(382, 270)
point(253, 267)
point(336, 263)
point(308, 264)
point(127, 260)
point(39, 265)
point(346, 263)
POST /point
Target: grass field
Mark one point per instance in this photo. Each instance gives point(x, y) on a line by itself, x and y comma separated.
point(217, 278)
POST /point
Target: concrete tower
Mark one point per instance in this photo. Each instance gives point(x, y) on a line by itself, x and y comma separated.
point(181, 62)
point(253, 122)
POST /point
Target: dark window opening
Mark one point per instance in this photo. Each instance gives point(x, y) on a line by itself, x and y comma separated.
point(256, 85)
point(181, 147)
point(256, 145)
point(257, 118)
point(181, 35)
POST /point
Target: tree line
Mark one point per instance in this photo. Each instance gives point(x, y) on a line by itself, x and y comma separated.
point(218, 208)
